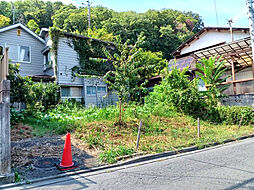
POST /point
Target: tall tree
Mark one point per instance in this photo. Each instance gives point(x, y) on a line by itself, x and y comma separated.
point(4, 21)
point(33, 26)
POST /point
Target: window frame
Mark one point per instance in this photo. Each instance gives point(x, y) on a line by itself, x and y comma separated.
point(30, 57)
point(90, 94)
point(66, 87)
point(47, 61)
point(18, 53)
point(99, 91)
point(70, 92)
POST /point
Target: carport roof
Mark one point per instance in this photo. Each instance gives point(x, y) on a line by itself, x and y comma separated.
point(240, 52)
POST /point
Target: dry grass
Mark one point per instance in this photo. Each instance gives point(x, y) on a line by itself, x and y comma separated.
point(158, 134)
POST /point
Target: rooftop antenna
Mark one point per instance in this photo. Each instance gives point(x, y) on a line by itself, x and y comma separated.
point(230, 22)
point(13, 12)
point(89, 12)
point(215, 7)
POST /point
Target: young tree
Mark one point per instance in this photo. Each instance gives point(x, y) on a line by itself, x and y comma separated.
point(124, 79)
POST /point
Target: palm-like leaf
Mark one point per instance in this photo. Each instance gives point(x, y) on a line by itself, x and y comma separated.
point(211, 71)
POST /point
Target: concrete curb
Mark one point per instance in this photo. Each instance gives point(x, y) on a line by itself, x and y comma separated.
point(128, 162)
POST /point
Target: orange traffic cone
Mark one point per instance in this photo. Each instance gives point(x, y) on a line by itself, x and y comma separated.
point(67, 163)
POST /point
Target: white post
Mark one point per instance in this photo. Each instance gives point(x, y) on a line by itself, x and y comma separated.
point(198, 128)
point(249, 4)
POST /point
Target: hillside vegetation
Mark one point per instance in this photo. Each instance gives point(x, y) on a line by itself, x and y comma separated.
point(165, 30)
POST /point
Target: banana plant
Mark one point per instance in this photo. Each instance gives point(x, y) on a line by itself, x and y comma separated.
point(211, 72)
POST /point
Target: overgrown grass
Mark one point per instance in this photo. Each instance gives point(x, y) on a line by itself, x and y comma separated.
point(162, 130)
point(169, 121)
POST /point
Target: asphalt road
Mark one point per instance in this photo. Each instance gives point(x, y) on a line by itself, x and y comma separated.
point(229, 167)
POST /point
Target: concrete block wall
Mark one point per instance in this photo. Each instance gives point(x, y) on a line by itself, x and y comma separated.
point(239, 100)
point(5, 140)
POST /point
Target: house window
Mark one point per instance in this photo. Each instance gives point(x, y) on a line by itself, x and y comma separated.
point(47, 60)
point(91, 90)
point(66, 91)
point(101, 89)
point(19, 32)
point(19, 53)
point(48, 57)
point(71, 92)
point(76, 92)
point(24, 54)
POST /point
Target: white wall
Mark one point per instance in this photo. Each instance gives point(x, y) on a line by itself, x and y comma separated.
point(210, 38)
point(67, 58)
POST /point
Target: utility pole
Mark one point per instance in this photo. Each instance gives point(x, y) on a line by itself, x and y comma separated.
point(89, 12)
point(13, 12)
point(249, 4)
point(216, 12)
point(230, 22)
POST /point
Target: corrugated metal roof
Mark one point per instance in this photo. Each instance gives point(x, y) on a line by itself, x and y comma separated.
point(239, 51)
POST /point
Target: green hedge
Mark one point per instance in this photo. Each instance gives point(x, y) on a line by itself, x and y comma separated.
point(234, 114)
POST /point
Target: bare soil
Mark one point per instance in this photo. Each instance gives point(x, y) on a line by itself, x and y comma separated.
point(35, 157)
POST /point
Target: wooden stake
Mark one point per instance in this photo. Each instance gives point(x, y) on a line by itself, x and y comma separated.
point(198, 128)
point(233, 74)
point(240, 122)
point(139, 132)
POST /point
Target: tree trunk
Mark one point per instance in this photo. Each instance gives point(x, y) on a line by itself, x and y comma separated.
point(120, 111)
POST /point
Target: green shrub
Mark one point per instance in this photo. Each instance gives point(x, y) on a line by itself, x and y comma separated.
point(41, 96)
point(17, 116)
point(177, 93)
point(234, 114)
point(37, 95)
point(18, 84)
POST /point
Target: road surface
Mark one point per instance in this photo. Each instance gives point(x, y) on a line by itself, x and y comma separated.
point(229, 167)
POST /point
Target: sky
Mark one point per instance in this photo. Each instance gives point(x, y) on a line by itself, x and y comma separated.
point(226, 9)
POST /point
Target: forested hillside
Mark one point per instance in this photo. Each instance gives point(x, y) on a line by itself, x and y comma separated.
point(164, 30)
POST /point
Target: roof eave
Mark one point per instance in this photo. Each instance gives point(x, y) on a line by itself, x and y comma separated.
point(24, 28)
point(205, 29)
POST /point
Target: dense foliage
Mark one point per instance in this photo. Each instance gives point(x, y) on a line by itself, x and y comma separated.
point(18, 84)
point(165, 30)
point(90, 48)
point(177, 92)
point(4, 21)
point(36, 95)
